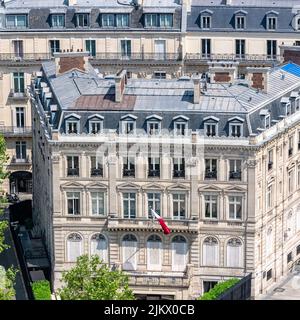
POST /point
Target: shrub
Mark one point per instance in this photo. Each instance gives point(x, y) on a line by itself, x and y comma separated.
point(219, 289)
point(41, 290)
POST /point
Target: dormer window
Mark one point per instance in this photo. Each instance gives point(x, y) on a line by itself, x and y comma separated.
point(211, 126)
point(16, 21)
point(206, 22)
point(153, 125)
point(72, 124)
point(271, 20)
point(180, 125)
point(108, 20)
point(95, 124)
point(166, 20)
point(122, 20)
point(128, 124)
point(265, 118)
point(236, 127)
point(267, 121)
point(57, 20)
point(240, 22)
point(162, 20)
point(82, 20)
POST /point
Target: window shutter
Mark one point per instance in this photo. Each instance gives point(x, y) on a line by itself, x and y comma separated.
point(154, 255)
point(179, 256)
point(74, 250)
point(129, 255)
point(210, 254)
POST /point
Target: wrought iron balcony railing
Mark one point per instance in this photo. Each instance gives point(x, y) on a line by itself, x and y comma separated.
point(25, 56)
point(15, 160)
point(154, 173)
point(96, 172)
point(235, 175)
point(73, 171)
point(178, 174)
point(128, 172)
point(210, 174)
point(139, 56)
point(232, 57)
point(11, 130)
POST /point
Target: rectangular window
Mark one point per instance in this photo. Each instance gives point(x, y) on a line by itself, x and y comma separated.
point(95, 126)
point(179, 206)
point(153, 203)
point(271, 23)
point(54, 46)
point(289, 257)
point(108, 20)
point(20, 117)
point(166, 20)
point(57, 20)
point(298, 250)
point(178, 168)
point(270, 196)
point(205, 22)
point(72, 127)
point(208, 285)
point(21, 150)
point(18, 48)
point(128, 127)
point(180, 128)
point(98, 205)
point(128, 167)
point(73, 199)
point(122, 20)
point(154, 167)
point(291, 146)
point(291, 181)
point(126, 48)
point(90, 46)
point(235, 169)
point(240, 48)
point(160, 75)
point(151, 20)
point(96, 166)
point(270, 159)
point(235, 130)
point(211, 206)
point(210, 168)
point(72, 166)
point(153, 127)
point(82, 20)
point(206, 48)
point(235, 207)
point(269, 274)
point(210, 129)
point(18, 80)
point(129, 205)
point(16, 21)
point(240, 23)
point(271, 49)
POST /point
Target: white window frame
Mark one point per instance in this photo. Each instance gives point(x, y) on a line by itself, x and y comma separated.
point(150, 265)
point(209, 124)
point(72, 123)
point(105, 254)
point(213, 199)
point(181, 123)
point(206, 22)
point(133, 257)
point(157, 131)
point(212, 241)
point(240, 248)
point(270, 196)
point(125, 123)
point(16, 21)
point(57, 18)
point(73, 197)
point(231, 125)
point(238, 24)
point(269, 18)
point(155, 203)
point(175, 266)
point(80, 16)
point(95, 122)
point(179, 201)
point(68, 247)
point(95, 196)
point(129, 199)
point(234, 202)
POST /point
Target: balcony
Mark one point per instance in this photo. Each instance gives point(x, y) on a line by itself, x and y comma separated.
point(20, 161)
point(199, 57)
point(97, 172)
point(179, 174)
point(19, 96)
point(211, 175)
point(235, 175)
point(158, 280)
point(73, 172)
point(128, 172)
point(25, 57)
point(16, 131)
point(154, 173)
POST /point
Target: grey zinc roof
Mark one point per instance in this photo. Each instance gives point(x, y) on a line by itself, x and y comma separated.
point(256, 3)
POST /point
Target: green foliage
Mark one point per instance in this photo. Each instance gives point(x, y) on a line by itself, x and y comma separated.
point(41, 290)
point(7, 291)
point(91, 279)
point(219, 289)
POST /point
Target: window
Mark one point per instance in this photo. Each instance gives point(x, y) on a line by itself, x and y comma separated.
point(210, 129)
point(179, 206)
point(21, 150)
point(18, 80)
point(126, 48)
point(267, 119)
point(291, 146)
point(153, 203)
point(298, 176)
point(211, 206)
point(96, 166)
point(206, 48)
point(180, 128)
point(234, 253)
point(128, 126)
point(82, 20)
point(240, 22)
point(122, 20)
point(240, 48)
point(235, 207)
point(90, 46)
point(270, 159)
point(151, 20)
point(269, 242)
point(298, 25)
point(128, 167)
point(269, 274)
point(73, 199)
point(235, 130)
point(154, 256)
point(205, 22)
point(129, 205)
point(130, 252)
point(99, 247)
point(98, 203)
point(271, 49)
point(290, 181)
point(72, 166)
point(57, 20)
point(16, 21)
point(271, 23)
point(178, 168)
point(153, 127)
point(54, 46)
point(108, 20)
point(298, 250)
point(20, 117)
point(210, 169)
point(72, 126)
point(208, 285)
point(160, 74)
point(95, 126)
point(235, 169)
point(74, 247)
point(18, 48)
point(210, 252)
point(166, 20)
point(154, 167)
point(179, 253)
point(270, 196)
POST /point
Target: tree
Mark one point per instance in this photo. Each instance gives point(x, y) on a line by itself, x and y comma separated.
point(7, 291)
point(92, 279)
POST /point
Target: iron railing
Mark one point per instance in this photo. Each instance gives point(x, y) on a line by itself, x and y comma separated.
point(11, 130)
point(240, 291)
point(140, 56)
point(25, 56)
point(232, 57)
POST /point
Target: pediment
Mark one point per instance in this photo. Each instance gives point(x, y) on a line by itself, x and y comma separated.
point(128, 185)
point(71, 185)
point(96, 185)
point(96, 117)
point(236, 119)
point(206, 11)
point(73, 115)
point(152, 186)
point(241, 12)
point(177, 187)
point(235, 189)
point(210, 188)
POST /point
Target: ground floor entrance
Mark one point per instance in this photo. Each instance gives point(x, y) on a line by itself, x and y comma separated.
point(20, 182)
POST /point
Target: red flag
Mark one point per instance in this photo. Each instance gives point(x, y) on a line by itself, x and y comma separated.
point(161, 222)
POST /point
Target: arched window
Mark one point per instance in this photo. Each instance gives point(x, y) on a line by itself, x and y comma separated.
point(269, 241)
point(74, 247)
point(234, 253)
point(129, 247)
point(179, 253)
point(99, 246)
point(210, 252)
point(154, 259)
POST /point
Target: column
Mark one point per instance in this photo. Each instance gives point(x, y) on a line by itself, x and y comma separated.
point(112, 190)
point(193, 176)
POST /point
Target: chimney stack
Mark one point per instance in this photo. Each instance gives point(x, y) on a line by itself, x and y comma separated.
point(68, 61)
point(259, 78)
point(120, 84)
point(197, 89)
point(223, 72)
